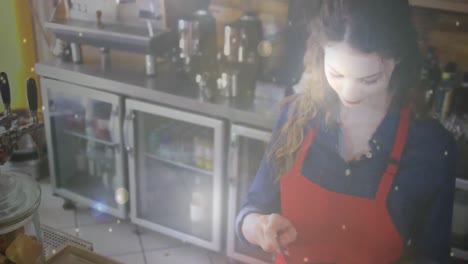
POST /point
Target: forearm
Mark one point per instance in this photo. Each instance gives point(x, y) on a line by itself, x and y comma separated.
point(248, 228)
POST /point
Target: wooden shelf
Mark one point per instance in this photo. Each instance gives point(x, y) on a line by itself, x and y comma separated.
point(460, 253)
point(460, 6)
point(462, 184)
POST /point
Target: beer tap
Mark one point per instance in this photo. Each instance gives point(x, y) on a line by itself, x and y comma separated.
point(10, 137)
point(32, 100)
point(8, 119)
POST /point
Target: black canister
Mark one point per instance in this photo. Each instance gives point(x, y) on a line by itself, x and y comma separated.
point(197, 43)
point(241, 64)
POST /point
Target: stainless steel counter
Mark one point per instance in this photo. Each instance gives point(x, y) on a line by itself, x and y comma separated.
point(167, 90)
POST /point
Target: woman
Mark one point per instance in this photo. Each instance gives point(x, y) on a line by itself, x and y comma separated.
point(355, 172)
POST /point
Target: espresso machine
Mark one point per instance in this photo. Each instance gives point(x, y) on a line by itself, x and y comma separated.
point(196, 52)
point(240, 63)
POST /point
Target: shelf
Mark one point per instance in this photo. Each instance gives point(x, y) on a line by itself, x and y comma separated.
point(114, 36)
point(462, 184)
point(460, 253)
point(446, 5)
point(80, 135)
point(180, 164)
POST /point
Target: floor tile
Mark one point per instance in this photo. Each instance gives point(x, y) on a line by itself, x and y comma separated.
point(70, 231)
point(217, 258)
point(52, 214)
point(87, 216)
point(112, 239)
point(46, 188)
point(130, 258)
point(182, 255)
point(152, 240)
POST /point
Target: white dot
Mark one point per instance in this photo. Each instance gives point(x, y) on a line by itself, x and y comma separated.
point(25, 40)
point(446, 153)
point(306, 260)
point(43, 108)
point(343, 227)
point(54, 251)
point(452, 254)
point(409, 242)
point(396, 188)
point(377, 147)
point(348, 172)
point(457, 23)
point(369, 155)
point(118, 221)
point(77, 230)
point(110, 229)
point(80, 34)
point(374, 141)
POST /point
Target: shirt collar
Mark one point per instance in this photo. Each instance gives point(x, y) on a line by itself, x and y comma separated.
point(384, 136)
point(382, 139)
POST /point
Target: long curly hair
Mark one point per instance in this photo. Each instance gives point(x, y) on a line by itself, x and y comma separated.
point(383, 27)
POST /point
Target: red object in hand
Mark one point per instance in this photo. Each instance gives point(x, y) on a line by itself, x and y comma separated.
point(283, 256)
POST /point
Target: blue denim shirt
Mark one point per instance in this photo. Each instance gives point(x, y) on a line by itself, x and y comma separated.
point(421, 199)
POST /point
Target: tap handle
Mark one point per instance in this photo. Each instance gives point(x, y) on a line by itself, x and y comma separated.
point(5, 89)
point(32, 95)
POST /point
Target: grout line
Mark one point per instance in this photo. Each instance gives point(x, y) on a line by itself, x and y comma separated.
point(97, 224)
point(76, 223)
point(209, 256)
point(165, 248)
point(141, 244)
point(123, 254)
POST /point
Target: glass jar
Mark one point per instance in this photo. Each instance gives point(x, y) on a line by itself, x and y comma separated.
point(20, 232)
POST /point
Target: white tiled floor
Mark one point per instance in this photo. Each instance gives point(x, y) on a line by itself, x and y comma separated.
point(120, 240)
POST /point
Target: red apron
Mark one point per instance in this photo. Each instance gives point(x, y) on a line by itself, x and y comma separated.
point(340, 228)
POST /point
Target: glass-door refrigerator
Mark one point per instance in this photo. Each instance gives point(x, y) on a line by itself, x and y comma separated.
point(83, 129)
point(246, 151)
point(176, 172)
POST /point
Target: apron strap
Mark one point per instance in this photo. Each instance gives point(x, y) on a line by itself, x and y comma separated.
point(301, 154)
point(395, 155)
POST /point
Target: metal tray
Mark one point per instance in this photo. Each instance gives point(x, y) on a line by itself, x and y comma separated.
point(54, 239)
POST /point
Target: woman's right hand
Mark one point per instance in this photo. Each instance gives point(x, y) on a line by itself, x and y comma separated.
point(265, 230)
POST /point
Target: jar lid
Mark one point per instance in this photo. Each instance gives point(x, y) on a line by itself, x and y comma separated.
point(20, 197)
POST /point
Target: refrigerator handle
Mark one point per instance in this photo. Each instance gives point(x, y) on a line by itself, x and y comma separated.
point(127, 125)
point(114, 127)
point(233, 159)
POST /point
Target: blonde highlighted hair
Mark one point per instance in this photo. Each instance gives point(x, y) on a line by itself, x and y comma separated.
point(372, 26)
